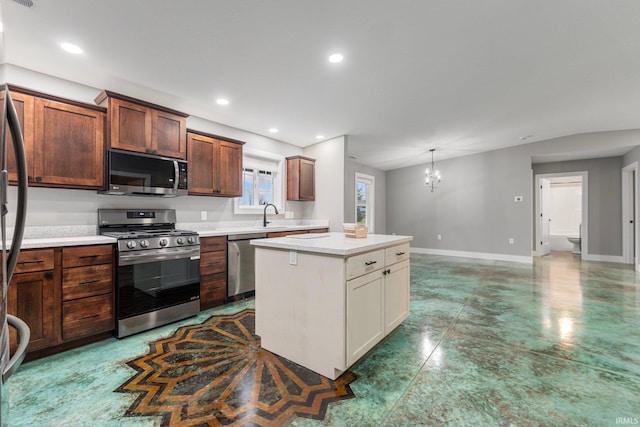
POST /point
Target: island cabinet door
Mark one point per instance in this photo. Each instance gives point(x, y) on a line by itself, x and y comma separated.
point(365, 314)
point(396, 293)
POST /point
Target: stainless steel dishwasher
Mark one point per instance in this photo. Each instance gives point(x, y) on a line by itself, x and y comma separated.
point(241, 263)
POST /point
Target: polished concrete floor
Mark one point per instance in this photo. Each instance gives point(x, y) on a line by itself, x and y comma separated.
point(487, 343)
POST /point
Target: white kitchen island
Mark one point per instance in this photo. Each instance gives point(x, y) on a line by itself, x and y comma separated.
point(324, 300)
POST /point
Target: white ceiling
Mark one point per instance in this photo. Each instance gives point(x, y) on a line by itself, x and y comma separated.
point(460, 76)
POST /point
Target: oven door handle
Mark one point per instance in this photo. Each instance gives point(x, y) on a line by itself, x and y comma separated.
point(143, 257)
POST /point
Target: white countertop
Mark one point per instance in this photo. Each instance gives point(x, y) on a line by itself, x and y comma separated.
point(82, 235)
point(331, 243)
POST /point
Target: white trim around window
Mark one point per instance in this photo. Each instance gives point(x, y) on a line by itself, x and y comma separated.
point(265, 161)
point(369, 200)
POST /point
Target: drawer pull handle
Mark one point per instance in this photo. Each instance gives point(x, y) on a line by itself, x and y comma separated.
point(88, 256)
point(370, 262)
point(88, 317)
point(31, 261)
point(399, 253)
point(88, 282)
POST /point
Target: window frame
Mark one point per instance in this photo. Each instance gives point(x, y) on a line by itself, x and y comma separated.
point(251, 160)
point(370, 204)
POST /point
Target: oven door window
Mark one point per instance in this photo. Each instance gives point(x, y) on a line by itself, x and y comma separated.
point(150, 286)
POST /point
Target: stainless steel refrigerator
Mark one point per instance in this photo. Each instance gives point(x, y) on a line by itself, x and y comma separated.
point(11, 130)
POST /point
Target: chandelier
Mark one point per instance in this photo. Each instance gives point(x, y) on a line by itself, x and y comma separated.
point(432, 175)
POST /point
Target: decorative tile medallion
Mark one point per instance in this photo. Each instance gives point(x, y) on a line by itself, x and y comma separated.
point(215, 373)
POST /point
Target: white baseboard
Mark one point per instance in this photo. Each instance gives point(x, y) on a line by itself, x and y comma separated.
point(477, 255)
point(604, 258)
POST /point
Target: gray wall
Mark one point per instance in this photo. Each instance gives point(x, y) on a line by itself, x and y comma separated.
point(351, 167)
point(631, 156)
point(474, 208)
point(605, 200)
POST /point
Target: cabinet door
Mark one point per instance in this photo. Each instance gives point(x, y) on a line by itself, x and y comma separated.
point(31, 297)
point(229, 168)
point(213, 290)
point(69, 145)
point(24, 109)
point(365, 313)
point(307, 180)
point(396, 295)
point(200, 156)
point(130, 126)
point(168, 134)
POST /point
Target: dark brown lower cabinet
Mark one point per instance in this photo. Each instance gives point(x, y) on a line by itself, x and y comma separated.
point(213, 271)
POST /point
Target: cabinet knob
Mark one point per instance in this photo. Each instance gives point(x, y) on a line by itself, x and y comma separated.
point(155, 151)
point(48, 275)
point(29, 178)
point(148, 150)
point(38, 178)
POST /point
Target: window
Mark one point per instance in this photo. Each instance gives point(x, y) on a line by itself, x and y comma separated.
point(257, 187)
point(365, 188)
point(262, 182)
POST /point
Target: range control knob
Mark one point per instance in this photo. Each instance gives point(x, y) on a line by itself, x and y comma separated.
point(163, 242)
point(144, 243)
point(191, 239)
point(180, 240)
point(131, 244)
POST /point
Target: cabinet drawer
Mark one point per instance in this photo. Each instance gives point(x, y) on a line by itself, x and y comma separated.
point(213, 287)
point(213, 262)
point(396, 253)
point(285, 233)
point(87, 255)
point(318, 230)
point(364, 263)
point(80, 282)
point(34, 260)
point(87, 316)
point(212, 244)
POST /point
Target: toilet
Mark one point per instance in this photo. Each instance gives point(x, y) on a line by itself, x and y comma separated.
point(576, 244)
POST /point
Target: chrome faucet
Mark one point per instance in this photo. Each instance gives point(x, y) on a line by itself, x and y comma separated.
point(264, 219)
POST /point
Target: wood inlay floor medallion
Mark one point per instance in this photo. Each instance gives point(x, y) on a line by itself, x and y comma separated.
point(216, 373)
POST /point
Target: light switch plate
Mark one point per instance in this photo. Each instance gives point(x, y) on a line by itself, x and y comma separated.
point(203, 215)
point(293, 258)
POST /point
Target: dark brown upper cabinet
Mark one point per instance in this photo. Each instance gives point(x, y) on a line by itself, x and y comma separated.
point(64, 141)
point(215, 165)
point(301, 178)
point(136, 125)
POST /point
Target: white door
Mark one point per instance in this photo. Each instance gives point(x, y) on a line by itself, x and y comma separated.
point(545, 216)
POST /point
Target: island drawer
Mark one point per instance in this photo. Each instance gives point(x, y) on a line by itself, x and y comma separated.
point(396, 253)
point(87, 281)
point(87, 255)
point(87, 316)
point(34, 260)
point(365, 263)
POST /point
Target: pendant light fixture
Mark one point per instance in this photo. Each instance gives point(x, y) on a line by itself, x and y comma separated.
point(432, 175)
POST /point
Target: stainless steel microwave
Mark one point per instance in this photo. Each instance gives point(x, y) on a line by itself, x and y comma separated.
point(138, 174)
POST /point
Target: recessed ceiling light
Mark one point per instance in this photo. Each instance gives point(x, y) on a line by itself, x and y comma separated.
point(273, 130)
point(319, 136)
point(71, 48)
point(336, 58)
point(222, 101)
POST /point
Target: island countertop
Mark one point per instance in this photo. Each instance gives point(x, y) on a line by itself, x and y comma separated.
point(331, 243)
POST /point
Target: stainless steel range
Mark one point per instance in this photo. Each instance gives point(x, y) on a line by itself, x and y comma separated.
point(158, 268)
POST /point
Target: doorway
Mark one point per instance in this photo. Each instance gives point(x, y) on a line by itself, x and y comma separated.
point(630, 230)
point(561, 213)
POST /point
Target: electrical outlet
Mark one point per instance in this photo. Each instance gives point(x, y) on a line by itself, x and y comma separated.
point(439, 236)
point(203, 215)
point(288, 214)
point(293, 258)
point(511, 240)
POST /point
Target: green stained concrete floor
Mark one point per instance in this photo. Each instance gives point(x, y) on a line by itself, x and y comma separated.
point(487, 343)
